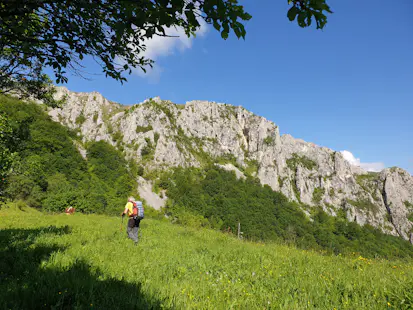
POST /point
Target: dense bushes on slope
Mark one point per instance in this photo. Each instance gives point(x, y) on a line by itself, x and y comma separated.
point(46, 170)
point(216, 198)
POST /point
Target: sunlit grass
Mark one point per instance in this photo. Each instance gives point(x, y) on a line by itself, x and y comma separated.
point(91, 264)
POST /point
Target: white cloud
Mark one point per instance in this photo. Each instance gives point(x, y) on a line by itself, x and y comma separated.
point(375, 167)
point(158, 46)
point(152, 74)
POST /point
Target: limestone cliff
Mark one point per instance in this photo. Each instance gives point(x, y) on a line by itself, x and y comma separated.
point(159, 134)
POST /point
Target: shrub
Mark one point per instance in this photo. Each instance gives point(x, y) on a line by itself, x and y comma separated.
point(156, 137)
point(408, 204)
point(147, 150)
point(281, 181)
point(140, 171)
point(80, 119)
point(304, 161)
point(140, 129)
point(364, 204)
point(368, 181)
point(117, 137)
point(318, 194)
point(49, 172)
point(252, 167)
point(269, 140)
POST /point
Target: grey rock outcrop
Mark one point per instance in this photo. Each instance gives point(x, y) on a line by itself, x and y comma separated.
point(158, 134)
point(151, 198)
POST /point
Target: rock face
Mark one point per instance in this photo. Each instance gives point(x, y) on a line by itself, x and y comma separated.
point(145, 191)
point(158, 134)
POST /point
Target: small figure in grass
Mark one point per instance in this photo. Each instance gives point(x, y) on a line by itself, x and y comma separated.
point(70, 210)
point(134, 210)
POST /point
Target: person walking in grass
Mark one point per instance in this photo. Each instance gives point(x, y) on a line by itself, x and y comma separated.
point(134, 211)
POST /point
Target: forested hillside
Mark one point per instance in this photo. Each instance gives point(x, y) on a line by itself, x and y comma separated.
point(42, 166)
point(216, 198)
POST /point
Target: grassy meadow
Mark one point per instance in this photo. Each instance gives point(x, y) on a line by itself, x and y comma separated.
point(86, 262)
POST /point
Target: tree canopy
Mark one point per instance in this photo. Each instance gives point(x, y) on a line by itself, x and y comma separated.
point(39, 164)
point(35, 34)
point(213, 197)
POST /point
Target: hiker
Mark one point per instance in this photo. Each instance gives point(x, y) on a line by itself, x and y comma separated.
point(70, 210)
point(134, 210)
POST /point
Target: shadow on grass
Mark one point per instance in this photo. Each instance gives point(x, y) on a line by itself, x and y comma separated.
point(25, 284)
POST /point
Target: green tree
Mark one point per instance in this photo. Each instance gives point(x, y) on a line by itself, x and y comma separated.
point(42, 166)
point(307, 10)
point(5, 154)
point(216, 198)
point(59, 34)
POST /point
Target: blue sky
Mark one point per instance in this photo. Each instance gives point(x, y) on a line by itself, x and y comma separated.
point(348, 87)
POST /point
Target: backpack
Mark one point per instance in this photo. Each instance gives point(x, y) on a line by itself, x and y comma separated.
point(137, 210)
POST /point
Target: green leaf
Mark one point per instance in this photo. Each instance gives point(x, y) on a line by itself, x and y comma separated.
point(292, 13)
point(301, 19)
point(191, 18)
point(238, 32)
point(309, 19)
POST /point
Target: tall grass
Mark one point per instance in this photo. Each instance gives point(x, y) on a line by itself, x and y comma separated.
point(86, 261)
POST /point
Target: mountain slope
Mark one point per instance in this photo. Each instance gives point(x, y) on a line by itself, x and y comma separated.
point(158, 134)
point(85, 261)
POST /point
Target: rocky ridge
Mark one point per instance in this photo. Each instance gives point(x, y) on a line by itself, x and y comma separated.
point(158, 134)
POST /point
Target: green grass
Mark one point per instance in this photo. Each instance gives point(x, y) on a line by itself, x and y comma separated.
point(85, 261)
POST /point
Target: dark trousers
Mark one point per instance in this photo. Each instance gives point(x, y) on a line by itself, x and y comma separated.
point(132, 230)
